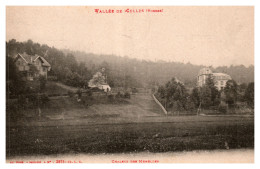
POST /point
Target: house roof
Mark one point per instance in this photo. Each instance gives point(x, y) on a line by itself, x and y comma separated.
point(32, 58)
point(45, 63)
point(205, 71)
point(222, 75)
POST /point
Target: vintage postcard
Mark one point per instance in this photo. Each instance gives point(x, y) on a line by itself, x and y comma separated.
point(142, 84)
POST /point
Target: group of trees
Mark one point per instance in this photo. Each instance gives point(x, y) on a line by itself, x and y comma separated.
point(174, 96)
point(14, 82)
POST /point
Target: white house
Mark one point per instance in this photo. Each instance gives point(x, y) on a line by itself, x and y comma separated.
point(220, 79)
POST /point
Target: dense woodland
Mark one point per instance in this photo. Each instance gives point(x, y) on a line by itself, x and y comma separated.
point(148, 72)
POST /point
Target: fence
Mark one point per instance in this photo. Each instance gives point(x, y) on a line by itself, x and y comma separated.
point(157, 101)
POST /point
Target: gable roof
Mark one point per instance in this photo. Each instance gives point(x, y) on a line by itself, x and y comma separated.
point(30, 59)
point(45, 63)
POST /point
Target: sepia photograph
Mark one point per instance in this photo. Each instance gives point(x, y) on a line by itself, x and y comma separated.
point(129, 84)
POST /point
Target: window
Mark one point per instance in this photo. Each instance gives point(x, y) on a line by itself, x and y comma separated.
point(222, 83)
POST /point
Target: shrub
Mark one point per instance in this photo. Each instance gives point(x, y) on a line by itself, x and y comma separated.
point(134, 90)
point(70, 93)
point(21, 100)
point(89, 93)
point(119, 95)
point(33, 98)
point(127, 95)
point(44, 99)
point(223, 108)
point(110, 97)
point(52, 78)
point(79, 93)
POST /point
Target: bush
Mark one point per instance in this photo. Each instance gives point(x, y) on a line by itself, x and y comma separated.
point(52, 78)
point(21, 100)
point(110, 97)
point(134, 90)
point(33, 98)
point(79, 93)
point(223, 108)
point(70, 93)
point(119, 95)
point(127, 95)
point(44, 99)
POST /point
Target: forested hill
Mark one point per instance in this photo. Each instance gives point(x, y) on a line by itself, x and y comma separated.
point(77, 68)
point(161, 71)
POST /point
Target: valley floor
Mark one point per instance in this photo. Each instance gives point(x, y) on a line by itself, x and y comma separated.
point(137, 126)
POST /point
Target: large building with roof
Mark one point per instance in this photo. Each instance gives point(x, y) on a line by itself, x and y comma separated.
point(220, 79)
point(24, 61)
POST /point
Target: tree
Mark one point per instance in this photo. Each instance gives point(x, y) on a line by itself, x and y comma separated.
point(173, 94)
point(42, 81)
point(209, 94)
point(29, 47)
point(214, 91)
point(241, 89)
point(195, 98)
point(14, 79)
point(205, 96)
point(33, 70)
point(249, 94)
point(230, 92)
point(161, 92)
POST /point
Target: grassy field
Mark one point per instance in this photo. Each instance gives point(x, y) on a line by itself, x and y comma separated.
point(127, 125)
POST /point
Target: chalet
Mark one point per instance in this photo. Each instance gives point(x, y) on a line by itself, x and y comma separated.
point(25, 62)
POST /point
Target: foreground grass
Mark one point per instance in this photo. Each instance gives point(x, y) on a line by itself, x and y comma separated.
point(135, 137)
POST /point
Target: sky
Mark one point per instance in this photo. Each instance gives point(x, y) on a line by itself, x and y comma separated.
point(211, 36)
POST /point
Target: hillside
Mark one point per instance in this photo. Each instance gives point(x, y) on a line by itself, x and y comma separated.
point(76, 68)
point(148, 72)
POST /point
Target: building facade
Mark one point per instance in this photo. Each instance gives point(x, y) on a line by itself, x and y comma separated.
point(220, 79)
point(24, 62)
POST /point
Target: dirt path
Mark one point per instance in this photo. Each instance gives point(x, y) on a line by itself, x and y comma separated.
point(146, 102)
point(73, 89)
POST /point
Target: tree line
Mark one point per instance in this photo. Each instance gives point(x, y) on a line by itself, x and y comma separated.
point(148, 73)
